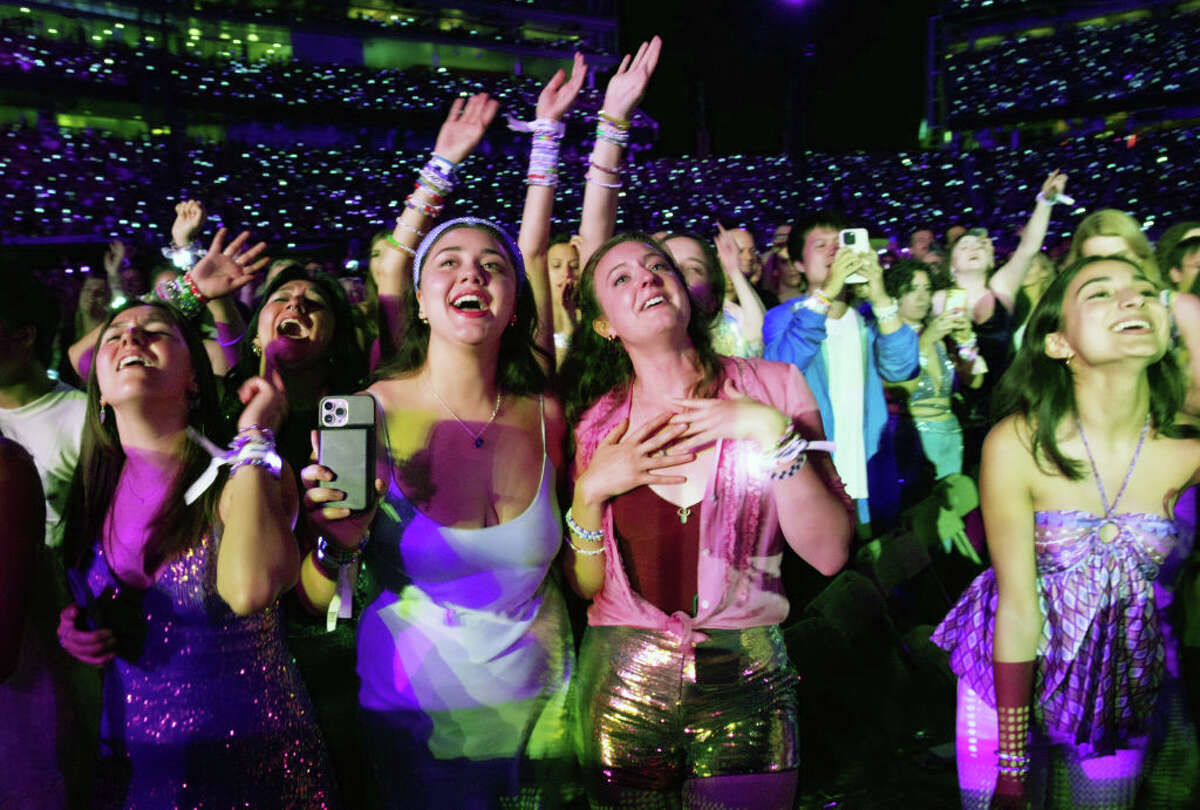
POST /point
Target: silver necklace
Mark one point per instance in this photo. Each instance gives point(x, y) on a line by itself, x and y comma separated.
point(476, 436)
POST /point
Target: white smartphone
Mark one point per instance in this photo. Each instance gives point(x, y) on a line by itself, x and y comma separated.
point(855, 239)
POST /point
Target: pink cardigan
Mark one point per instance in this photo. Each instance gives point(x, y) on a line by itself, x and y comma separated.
point(741, 546)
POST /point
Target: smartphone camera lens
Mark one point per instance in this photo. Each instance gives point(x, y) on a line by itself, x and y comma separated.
point(340, 411)
point(328, 405)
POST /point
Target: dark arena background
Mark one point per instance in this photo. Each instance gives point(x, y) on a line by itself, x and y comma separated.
point(305, 121)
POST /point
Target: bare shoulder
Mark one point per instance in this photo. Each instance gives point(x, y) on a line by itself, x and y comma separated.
point(394, 393)
point(1009, 440)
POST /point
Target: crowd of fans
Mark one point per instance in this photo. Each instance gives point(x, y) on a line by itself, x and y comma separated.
point(1074, 67)
point(288, 84)
point(63, 181)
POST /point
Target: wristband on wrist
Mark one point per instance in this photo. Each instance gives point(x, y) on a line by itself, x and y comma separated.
point(331, 558)
point(392, 242)
point(886, 313)
point(575, 529)
point(818, 303)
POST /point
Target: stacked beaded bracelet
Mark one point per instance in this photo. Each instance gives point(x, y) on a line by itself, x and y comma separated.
point(613, 130)
point(787, 457)
point(543, 154)
point(1013, 764)
point(331, 558)
point(433, 186)
point(818, 302)
point(592, 178)
point(254, 446)
point(590, 535)
point(886, 313)
point(183, 294)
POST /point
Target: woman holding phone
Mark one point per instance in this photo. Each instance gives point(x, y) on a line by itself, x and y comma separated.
point(466, 655)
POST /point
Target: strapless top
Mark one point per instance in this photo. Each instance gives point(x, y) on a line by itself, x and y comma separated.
point(1101, 654)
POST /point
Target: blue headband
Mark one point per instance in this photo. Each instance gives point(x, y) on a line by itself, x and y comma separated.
point(432, 236)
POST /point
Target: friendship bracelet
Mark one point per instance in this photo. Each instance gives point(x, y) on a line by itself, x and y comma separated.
point(886, 313)
point(620, 123)
point(591, 535)
point(588, 177)
point(396, 245)
point(402, 225)
point(817, 303)
point(606, 169)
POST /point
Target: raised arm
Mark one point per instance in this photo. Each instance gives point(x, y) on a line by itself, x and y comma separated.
point(189, 218)
point(751, 305)
point(461, 132)
point(1006, 281)
point(625, 90)
point(258, 558)
point(534, 238)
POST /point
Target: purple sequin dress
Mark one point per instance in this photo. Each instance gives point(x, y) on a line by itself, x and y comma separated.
point(1101, 656)
point(212, 712)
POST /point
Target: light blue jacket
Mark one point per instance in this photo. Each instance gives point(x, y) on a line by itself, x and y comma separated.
point(795, 334)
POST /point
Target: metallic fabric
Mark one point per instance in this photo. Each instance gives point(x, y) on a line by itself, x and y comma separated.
point(210, 712)
point(1101, 657)
point(653, 712)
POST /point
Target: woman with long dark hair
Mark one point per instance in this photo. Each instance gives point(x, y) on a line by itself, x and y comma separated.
point(1063, 663)
point(466, 655)
point(179, 576)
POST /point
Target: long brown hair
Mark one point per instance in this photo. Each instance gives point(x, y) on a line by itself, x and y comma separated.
point(178, 526)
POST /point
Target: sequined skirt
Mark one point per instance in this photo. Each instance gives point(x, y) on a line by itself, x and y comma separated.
point(653, 712)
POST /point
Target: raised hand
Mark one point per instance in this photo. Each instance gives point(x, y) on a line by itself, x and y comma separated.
point(727, 251)
point(737, 416)
point(264, 404)
point(227, 268)
point(189, 216)
point(626, 459)
point(114, 257)
point(464, 126)
point(628, 84)
point(1055, 184)
point(559, 93)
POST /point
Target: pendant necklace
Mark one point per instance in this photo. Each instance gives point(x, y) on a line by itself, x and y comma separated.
point(476, 436)
point(1109, 519)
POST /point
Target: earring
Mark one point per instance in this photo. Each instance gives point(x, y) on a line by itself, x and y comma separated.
point(610, 337)
point(103, 412)
point(1067, 361)
point(513, 320)
point(256, 347)
point(421, 317)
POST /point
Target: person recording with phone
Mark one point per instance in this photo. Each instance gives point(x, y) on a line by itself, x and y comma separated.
point(466, 655)
point(845, 357)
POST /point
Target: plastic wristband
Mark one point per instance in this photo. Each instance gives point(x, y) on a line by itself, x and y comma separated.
point(886, 313)
point(573, 527)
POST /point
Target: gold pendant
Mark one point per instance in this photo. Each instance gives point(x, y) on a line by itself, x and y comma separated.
point(684, 513)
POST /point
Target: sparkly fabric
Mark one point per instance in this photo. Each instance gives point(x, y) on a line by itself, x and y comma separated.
point(1101, 654)
point(212, 712)
point(465, 658)
point(653, 713)
point(925, 388)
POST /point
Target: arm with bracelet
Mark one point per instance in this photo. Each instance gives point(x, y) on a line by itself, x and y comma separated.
point(604, 171)
point(547, 130)
point(1007, 504)
point(258, 557)
point(1007, 280)
point(460, 133)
